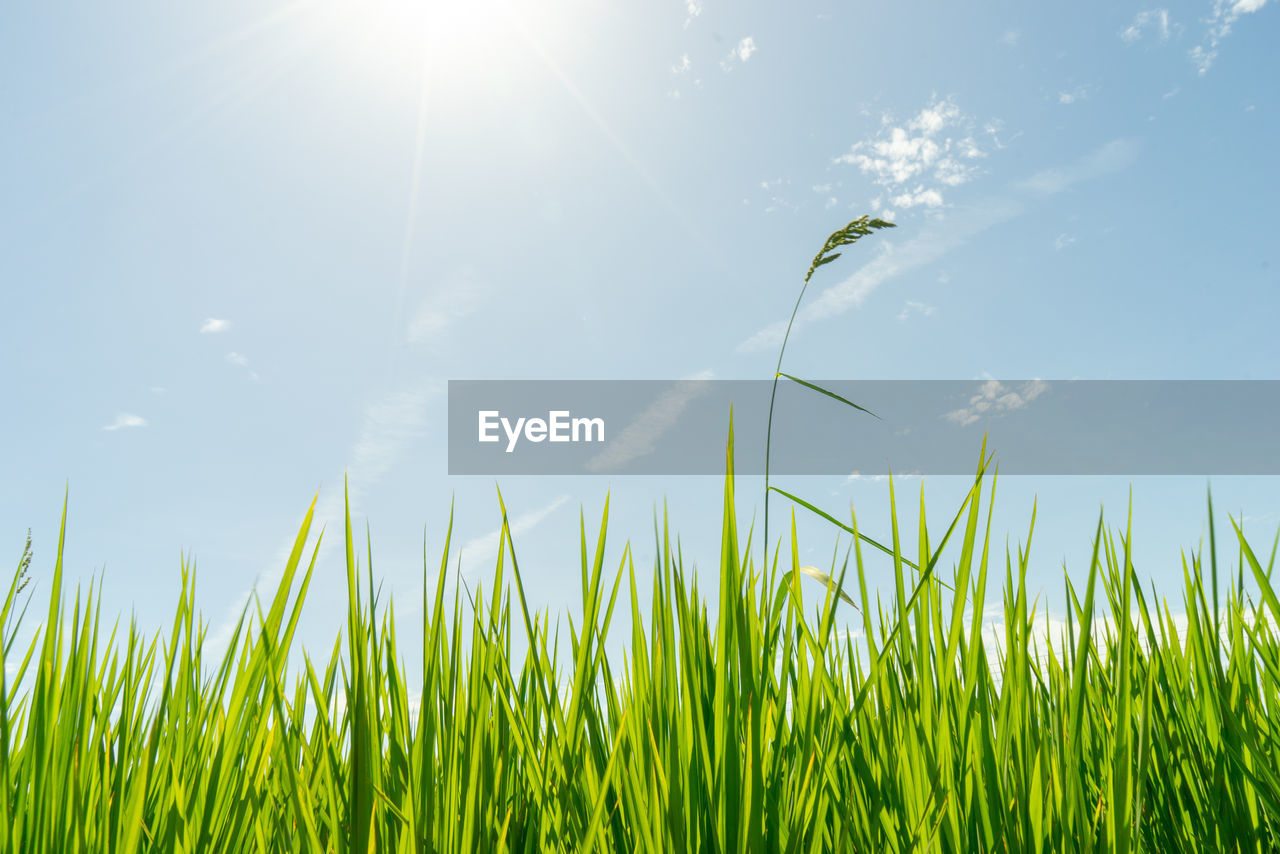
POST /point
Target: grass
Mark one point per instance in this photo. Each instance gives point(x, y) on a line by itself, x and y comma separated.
point(741, 718)
point(768, 727)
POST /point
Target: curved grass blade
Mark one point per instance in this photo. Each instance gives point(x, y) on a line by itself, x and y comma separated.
point(828, 393)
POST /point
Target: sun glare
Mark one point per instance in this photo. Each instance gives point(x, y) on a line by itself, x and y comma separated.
point(451, 31)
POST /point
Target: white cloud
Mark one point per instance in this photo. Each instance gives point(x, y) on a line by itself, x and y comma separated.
point(859, 477)
point(993, 398)
point(1063, 241)
point(682, 66)
point(214, 325)
point(776, 201)
point(1010, 38)
point(126, 419)
point(484, 548)
point(740, 53)
point(906, 158)
point(1050, 631)
point(1044, 632)
point(1155, 21)
point(158, 389)
point(1225, 14)
point(918, 196)
point(916, 307)
point(1079, 93)
point(692, 9)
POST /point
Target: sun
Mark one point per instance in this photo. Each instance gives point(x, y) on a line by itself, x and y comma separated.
point(445, 32)
point(442, 21)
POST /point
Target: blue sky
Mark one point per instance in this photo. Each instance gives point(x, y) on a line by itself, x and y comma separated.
point(245, 245)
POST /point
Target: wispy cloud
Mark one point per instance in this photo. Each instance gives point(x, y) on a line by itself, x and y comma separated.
point(955, 228)
point(390, 425)
point(484, 548)
point(1219, 25)
point(214, 325)
point(1155, 22)
point(639, 437)
point(126, 419)
point(454, 299)
point(1062, 241)
point(935, 241)
point(1010, 38)
point(913, 161)
point(1111, 157)
point(241, 361)
point(994, 398)
point(827, 190)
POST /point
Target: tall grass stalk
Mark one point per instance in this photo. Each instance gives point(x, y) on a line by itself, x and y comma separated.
point(847, 236)
point(785, 724)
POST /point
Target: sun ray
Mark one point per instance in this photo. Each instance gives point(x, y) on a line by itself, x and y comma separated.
point(619, 145)
point(415, 187)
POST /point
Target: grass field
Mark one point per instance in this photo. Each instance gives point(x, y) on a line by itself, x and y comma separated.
point(769, 727)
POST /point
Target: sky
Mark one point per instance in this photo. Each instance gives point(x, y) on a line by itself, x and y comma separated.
point(244, 246)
